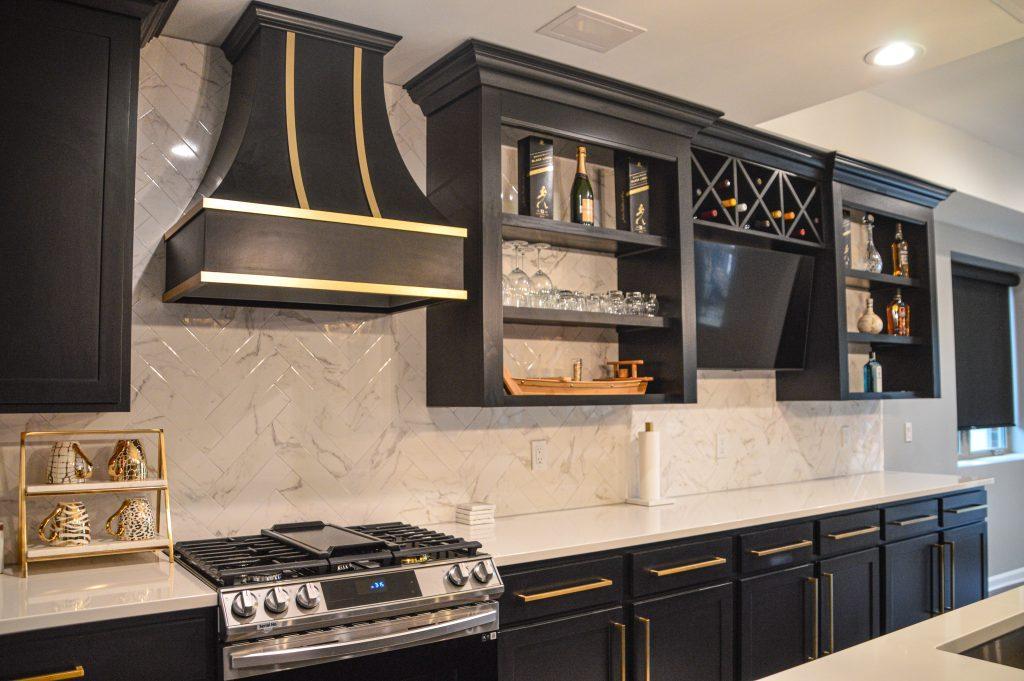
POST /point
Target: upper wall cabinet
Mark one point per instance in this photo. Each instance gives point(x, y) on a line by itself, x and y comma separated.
point(70, 81)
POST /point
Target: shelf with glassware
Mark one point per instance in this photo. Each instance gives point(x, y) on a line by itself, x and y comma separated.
point(64, 469)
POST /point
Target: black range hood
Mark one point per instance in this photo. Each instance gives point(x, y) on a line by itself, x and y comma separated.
point(307, 201)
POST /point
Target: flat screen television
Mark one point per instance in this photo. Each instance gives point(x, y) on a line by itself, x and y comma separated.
point(752, 307)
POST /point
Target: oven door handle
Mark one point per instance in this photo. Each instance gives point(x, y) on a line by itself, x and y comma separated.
point(421, 634)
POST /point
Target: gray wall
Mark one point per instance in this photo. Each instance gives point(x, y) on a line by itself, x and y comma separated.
point(934, 447)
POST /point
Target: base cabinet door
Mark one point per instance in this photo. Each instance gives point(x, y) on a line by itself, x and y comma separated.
point(685, 636)
point(911, 576)
point(967, 564)
point(850, 600)
point(778, 618)
point(588, 647)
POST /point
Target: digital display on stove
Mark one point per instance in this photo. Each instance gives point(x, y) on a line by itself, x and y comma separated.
point(347, 592)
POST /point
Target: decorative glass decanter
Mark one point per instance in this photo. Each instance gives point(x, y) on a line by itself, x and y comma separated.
point(872, 258)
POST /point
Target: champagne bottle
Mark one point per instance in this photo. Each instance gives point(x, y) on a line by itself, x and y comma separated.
point(900, 254)
point(872, 375)
point(581, 197)
point(897, 316)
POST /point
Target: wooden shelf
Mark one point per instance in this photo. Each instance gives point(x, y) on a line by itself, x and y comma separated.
point(887, 279)
point(97, 547)
point(542, 316)
point(578, 400)
point(617, 242)
point(105, 487)
point(883, 339)
point(777, 238)
point(887, 395)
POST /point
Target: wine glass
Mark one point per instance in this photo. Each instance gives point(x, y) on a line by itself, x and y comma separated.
point(518, 280)
point(540, 282)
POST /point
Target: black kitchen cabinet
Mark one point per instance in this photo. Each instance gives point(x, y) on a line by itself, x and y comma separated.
point(685, 636)
point(967, 556)
point(70, 83)
point(911, 577)
point(588, 647)
point(778, 616)
point(849, 600)
point(180, 646)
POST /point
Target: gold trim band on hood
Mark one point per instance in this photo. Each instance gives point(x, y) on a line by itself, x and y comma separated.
point(318, 215)
point(236, 279)
point(357, 117)
point(289, 104)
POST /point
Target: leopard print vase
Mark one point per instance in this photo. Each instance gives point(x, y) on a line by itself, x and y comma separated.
point(135, 521)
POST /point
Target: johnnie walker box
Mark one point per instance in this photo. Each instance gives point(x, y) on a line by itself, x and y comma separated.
point(633, 211)
point(536, 177)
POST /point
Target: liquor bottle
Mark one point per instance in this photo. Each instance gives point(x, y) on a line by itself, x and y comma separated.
point(897, 316)
point(900, 254)
point(872, 258)
point(581, 197)
point(872, 375)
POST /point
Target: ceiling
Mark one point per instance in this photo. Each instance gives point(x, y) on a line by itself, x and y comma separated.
point(983, 95)
point(755, 60)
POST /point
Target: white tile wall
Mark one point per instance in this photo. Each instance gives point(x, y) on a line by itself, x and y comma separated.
point(276, 415)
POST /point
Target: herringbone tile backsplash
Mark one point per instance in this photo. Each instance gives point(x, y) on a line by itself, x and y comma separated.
point(278, 415)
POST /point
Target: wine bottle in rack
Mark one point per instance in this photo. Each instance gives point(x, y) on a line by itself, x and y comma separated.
point(581, 196)
point(708, 214)
point(900, 253)
point(741, 208)
point(897, 316)
point(729, 203)
point(763, 224)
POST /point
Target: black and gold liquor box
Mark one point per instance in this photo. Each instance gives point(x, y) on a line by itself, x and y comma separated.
point(536, 177)
point(633, 196)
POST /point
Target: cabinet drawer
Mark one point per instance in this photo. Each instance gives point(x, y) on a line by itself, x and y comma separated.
point(850, 532)
point(671, 567)
point(776, 547)
point(548, 591)
point(962, 509)
point(911, 520)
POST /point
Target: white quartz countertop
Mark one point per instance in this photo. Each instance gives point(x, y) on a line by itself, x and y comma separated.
point(928, 650)
point(555, 534)
point(57, 594)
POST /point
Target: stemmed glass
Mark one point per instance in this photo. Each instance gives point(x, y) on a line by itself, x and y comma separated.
point(540, 283)
point(518, 280)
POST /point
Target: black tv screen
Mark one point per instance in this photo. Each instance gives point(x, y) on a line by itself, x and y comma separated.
point(752, 307)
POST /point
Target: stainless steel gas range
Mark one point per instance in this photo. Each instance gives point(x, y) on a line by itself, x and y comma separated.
point(387, 601)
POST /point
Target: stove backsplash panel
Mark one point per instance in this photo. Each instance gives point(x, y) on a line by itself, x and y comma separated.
point(281, 415)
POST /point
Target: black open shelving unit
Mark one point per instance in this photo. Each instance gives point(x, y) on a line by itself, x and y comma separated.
point(617, 242)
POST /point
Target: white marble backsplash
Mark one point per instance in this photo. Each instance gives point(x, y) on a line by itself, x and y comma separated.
point(277, 415)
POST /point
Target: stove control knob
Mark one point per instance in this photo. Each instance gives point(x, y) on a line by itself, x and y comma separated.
point(308, 596)
point(483, 572)
point(244, 604)
point(457, 576)
point(276, 600)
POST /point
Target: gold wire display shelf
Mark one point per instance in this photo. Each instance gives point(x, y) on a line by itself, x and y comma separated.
point(99, 546)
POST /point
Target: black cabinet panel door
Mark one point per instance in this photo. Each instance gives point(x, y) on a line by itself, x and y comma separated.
point(67, 127)
point(910, 573)
point(850, 600)
point(968, 564)
point(686, 636)
point(776, 621)
point(588, 647)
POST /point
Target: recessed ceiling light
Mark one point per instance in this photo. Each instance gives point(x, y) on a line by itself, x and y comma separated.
point(893, 54)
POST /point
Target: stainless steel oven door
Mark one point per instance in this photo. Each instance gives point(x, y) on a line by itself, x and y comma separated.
point(264, 656)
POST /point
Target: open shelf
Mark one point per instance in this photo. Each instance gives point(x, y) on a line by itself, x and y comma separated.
point(884, 339)
point(97, 547)
point(855, 276)
point(570, 235)
point(105, 487)
point(810, 245)
point(579, 400)
point(887, 395)
point(533, 315)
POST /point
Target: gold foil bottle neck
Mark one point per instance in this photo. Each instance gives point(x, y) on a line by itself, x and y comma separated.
point(649, 427)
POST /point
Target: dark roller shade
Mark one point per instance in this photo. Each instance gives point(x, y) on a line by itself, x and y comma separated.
point(984, 360)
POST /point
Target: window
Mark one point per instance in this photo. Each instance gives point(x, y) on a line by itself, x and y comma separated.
point(983, 441)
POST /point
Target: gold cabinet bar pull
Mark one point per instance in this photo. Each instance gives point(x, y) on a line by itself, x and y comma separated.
point(854, 533)
point(952, 574)
point(831, 612)
point(601, 583)
point(621, 628)
point(76, 673)
point(802, 544)
point(967, 509)
point(647, 647)
point(914, 521)
point(816, 614)
point(665, 572)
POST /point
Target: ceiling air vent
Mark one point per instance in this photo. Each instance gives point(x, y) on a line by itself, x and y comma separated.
point(590, 29)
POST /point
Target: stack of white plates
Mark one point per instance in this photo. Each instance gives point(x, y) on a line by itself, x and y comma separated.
point(474, 513)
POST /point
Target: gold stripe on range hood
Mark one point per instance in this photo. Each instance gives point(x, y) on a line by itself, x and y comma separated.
point(289, 104)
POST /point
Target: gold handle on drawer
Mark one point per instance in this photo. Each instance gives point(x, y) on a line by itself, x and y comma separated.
point(816, 611)
point(647, 647)
point(621, 628)
point(914, 521)
point(665, 572)
point(967, 509)
point(831, 612)
point(854, 533)
point(802, 544)
point(601, 583)
point(952, 574)
point(76, 673)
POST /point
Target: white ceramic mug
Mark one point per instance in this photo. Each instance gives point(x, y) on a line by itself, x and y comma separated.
point(68, 464)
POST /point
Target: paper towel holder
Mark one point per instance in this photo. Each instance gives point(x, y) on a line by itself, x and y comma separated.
point(649, 455)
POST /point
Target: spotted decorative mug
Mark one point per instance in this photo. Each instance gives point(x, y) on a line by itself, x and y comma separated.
point(135, 520)
point(128, 461)
point(68, 464)
point(67, 525)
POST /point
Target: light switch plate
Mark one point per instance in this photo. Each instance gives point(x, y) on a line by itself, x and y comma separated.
point(539, 454)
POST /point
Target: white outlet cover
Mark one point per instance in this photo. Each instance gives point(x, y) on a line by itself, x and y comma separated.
point(845, 437)
point(539, 454)
point(908, 432)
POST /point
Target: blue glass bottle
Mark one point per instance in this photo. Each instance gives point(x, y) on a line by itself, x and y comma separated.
point(872, 375)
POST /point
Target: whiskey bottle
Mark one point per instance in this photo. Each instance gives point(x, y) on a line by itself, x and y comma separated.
point(872, 375)
point(581, 197)
point(900, 254)
point(897, 316)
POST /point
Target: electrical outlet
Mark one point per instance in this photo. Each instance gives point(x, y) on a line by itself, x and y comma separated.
point(539, 454)
point(908, 432)
point(726, 446)
point(845, 438)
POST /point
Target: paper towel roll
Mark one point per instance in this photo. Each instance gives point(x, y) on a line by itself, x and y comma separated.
point(650, 463)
